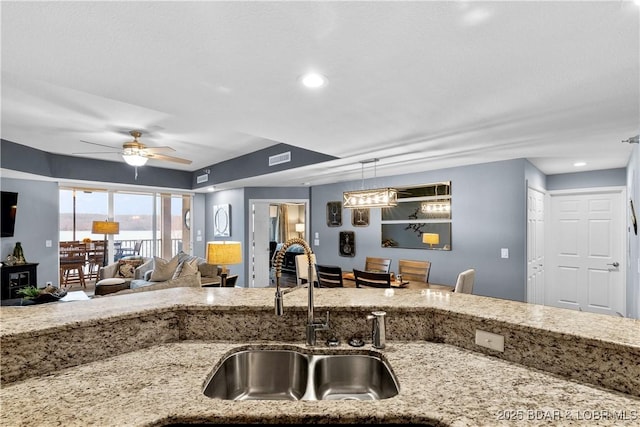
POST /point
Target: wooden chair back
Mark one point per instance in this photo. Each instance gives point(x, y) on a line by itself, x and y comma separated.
point(377, 265)
point(414, 271)
point(372, 279)
point(73, 257)
point(329, 276)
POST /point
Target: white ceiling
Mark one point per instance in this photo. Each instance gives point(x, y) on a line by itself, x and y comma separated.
point(419, 85)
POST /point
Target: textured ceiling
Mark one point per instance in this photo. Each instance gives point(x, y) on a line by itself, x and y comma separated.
point(419, 85)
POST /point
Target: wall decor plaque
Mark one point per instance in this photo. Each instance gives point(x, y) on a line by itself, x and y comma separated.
point(334, 214)
point(360, 217)
point(347, 243)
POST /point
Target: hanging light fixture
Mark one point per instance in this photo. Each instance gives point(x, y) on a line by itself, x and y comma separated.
point(373, 198)
point(133, 157)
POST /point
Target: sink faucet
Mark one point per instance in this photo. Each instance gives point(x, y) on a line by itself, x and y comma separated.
point(312, 324)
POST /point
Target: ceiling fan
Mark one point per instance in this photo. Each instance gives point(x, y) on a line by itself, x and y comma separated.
point(135, 153)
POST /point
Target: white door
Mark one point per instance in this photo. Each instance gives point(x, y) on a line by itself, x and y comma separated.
point(535, 246)
point(585, 263)
point(259, 253)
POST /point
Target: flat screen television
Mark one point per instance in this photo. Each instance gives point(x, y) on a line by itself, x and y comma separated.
point(8, 208)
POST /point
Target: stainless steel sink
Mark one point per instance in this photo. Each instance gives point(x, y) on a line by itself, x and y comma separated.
point(261, 374)
point(355, 376)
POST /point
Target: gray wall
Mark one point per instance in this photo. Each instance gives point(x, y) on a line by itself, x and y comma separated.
point(235, 200)
point(37, 220)
point(488, 213)
point(600, 178)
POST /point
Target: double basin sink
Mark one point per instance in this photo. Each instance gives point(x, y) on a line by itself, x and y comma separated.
point(284, 374)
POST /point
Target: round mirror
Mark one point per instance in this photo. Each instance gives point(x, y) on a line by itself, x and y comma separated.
point(187, 219)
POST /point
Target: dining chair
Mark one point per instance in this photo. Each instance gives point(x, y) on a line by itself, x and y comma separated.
point(382, 265)
point(73, 258)
point(464, 284)
point(369, 279)
point(415, 271)
point(122, 252)
point(302, 269)
point(329, 276)
point(95, 259)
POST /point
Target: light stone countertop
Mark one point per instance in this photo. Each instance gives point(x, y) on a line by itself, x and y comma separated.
point(441, 384)
point(605, 328)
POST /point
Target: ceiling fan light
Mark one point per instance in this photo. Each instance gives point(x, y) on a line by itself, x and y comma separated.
point(134, 159)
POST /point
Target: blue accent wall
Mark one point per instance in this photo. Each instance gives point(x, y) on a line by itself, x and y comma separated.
point(488, 213)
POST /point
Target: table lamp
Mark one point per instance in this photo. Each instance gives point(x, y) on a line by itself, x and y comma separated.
point(300, 229)
point(224, 253)
point(105, 227)
point(431, 239)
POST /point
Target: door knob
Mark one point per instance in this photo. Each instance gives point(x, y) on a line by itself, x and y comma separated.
point(615, 264)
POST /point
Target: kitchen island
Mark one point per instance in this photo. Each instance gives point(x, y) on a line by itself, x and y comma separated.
point(142, 360)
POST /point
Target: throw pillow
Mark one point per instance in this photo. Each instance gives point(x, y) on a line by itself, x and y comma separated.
point(208, 270)
point(127, 267)
point(163, 269)
point(186, 268)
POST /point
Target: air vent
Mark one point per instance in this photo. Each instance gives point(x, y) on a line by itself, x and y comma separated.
point(202, 178)
point(280, 158)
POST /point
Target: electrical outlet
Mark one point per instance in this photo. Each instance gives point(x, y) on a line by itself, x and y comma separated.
point(504, 252)
point(489, 340)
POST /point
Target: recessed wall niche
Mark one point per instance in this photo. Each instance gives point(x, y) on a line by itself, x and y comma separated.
point(421, 209)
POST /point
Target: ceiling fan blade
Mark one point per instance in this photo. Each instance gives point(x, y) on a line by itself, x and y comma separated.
point(95, 143)
point(152, 150)
point(168, 158)
point(97, 152)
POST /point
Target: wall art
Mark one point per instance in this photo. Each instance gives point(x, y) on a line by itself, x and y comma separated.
point(360, 217)
point(347, 243)
point(334, 214)
point(221, 221)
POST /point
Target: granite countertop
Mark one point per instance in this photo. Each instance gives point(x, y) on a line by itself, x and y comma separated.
point(173, 338)
point(439, 385)
point(605, 328)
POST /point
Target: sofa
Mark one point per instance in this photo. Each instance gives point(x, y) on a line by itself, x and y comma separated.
point(138, 274)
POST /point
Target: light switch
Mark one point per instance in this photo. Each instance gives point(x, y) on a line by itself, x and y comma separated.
point(198, 238)
point(317, 235)
point(48, 243)
point(489, 340)
point(504, 252)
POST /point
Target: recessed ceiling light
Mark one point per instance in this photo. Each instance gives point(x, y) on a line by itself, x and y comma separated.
point(578, 164)
point(211, 188)
point(313, 80)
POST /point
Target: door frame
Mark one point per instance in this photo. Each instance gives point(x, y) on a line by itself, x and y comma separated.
point(252, 244)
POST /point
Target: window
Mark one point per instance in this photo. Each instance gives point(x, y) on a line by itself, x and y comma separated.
point(157, 220)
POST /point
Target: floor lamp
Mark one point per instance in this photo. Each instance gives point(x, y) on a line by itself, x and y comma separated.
point(106, 228)
point(224, 253)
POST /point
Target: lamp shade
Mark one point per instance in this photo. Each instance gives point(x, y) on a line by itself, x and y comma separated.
point(224, 252)
point(105, 227)
point(431, 238)
point(300, 228)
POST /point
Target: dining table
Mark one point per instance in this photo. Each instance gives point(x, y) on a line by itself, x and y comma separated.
point(349, 281)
